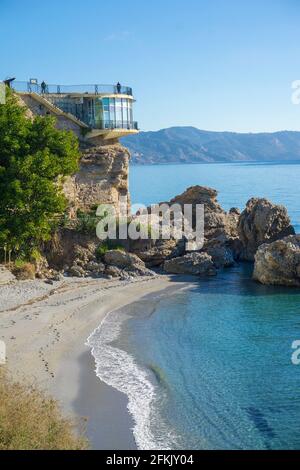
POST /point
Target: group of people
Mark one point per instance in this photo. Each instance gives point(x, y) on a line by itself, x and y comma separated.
point(44, 87)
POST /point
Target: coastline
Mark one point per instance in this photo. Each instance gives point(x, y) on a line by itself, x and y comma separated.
point(46, 331)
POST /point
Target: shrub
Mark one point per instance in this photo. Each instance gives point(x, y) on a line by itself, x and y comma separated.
point(86, 223)
point(29, 420)
point(23, 270)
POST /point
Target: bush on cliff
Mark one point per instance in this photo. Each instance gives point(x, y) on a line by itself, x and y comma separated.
point(34, 158)
point(29, 420)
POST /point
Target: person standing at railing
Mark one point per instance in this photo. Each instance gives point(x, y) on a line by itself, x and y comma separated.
point(43, 87)
point(119, 87)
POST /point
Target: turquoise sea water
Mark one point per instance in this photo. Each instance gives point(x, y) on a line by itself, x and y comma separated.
point(221, 355)
point(236, 183)
point(210, 367)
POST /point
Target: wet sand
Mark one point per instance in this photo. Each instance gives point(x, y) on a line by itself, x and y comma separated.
point(45, 331)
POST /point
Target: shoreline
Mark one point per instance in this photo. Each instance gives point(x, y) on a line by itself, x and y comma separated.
point(46, 338)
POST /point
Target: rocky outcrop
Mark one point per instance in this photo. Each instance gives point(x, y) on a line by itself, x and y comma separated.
point(127, 263)
point(101, 179)
point(162, 250)
point(221, 254)
point(216, 221)
point(197, 264)
point(85, 262)
point(220, 231)
point(278, 263)
point(262, 222)
point(68, 246)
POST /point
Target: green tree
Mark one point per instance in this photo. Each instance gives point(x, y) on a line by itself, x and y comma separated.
point(34, 158)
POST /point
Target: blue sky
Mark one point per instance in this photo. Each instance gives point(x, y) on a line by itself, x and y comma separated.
point(212, 64)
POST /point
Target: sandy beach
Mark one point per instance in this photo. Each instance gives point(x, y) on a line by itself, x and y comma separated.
point(45, 328)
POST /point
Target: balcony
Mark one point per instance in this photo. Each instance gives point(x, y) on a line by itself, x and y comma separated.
point(110, 125)
point(23, 87)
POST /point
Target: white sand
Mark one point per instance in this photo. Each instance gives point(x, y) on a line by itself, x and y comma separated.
point(45, 328)
point(40, 323)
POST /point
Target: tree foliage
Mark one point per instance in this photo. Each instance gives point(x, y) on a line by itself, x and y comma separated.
point(34, 158)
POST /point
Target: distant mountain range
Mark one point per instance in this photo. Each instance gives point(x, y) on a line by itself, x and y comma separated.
point(191, 145)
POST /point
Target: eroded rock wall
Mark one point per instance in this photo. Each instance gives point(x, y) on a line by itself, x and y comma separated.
point(101, 179)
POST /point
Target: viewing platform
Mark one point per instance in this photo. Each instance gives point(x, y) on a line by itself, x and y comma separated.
point(98, 110)
point(32, 87)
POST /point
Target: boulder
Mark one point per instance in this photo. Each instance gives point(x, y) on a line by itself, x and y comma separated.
point(77, 271)
point(216, 221)
point(122, 259)
point(221, 254)
point(192, 263)
point(95, 268)
point(262, 222)
point(278, 263)
point(162, 250)
point(129, 264)
point(220, 228)
point(113, 271)
point(5, 276)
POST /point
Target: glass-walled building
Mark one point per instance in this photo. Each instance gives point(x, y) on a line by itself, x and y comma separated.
point(98, 112)
point(98, 107)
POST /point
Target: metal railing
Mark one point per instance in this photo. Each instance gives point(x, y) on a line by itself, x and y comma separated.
point(69, 89)
point(129, 125)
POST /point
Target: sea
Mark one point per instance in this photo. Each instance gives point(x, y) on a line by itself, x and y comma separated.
point(209, 365)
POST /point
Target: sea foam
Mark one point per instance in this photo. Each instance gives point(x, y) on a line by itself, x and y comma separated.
point(118, 369)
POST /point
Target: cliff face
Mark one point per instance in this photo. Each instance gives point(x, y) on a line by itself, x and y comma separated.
point(103, 174)
point(102, 177)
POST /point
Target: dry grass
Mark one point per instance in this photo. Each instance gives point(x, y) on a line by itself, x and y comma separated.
point(24, 271)
point(30, 420)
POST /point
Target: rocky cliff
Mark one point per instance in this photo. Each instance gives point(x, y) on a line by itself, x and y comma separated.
point(102, 177)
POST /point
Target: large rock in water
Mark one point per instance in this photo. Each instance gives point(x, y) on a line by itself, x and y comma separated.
point(217, 221)
point(278, 263)
point(220, 231)
point(262, 222)
point(192, 263)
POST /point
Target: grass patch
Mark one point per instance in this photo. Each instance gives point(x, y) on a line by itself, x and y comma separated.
point(107, 246)
point(30, 420)
point(23, 270)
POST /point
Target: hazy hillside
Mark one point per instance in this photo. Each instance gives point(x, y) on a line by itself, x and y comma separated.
point(191, 145)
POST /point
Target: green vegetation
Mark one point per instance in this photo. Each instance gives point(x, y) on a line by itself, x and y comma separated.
point(34, 158)
point(86, 222)
point(29, 420)
point(107, 246)
point(23, 270)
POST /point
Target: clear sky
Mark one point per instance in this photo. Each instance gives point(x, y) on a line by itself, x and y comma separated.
point(212, 64)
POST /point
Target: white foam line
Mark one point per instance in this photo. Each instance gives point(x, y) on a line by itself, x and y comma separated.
point(118, 369)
